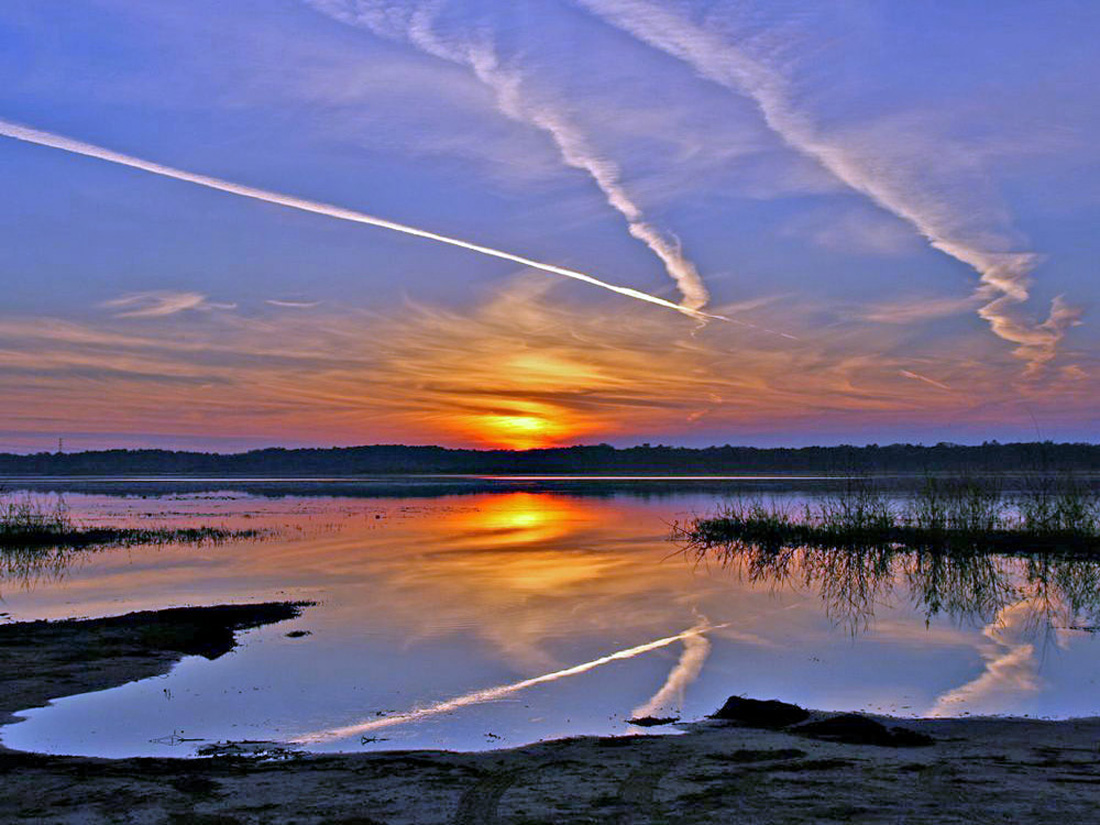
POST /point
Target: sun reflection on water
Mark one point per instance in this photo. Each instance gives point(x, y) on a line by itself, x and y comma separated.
point(515, 519)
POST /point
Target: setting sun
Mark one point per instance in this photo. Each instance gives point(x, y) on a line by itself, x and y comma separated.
point(520, 430)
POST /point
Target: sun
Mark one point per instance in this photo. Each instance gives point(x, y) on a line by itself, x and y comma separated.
point(519, 431)
point(523, 425)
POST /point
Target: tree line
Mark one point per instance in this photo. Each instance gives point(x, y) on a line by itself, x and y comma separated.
point(387, 459)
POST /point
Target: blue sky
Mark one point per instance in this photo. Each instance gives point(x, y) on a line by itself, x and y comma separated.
point(910, 190)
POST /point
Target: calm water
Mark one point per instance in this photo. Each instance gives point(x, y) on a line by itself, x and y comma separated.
point(490, 618)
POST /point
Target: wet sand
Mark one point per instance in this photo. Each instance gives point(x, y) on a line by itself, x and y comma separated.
point(977, 770)
point(40, 661)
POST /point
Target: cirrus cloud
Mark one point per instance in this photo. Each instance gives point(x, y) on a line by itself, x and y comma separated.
point(160, 303)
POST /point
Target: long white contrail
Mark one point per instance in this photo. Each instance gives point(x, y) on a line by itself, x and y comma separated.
point(956, 229)
point(36, 136)
point(416, 24)
point(490, 694)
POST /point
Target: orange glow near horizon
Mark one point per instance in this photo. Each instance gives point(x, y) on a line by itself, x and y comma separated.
point(526, 425)
point(518, 432)
point(518, 372)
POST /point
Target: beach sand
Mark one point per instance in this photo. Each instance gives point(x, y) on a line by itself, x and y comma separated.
point(975, 771)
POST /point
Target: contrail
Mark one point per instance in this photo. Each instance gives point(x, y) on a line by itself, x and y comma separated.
point(36, 136)
point(489, 694)
point(576, 153)
point(916, 376)
point(1004, 276)
point(418, 28)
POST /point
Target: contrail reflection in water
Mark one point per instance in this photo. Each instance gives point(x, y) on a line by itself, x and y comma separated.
point(490, 694)
point(686, 671)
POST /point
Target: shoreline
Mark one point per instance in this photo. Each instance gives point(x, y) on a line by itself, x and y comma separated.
point(42, 660)
point(976, 769)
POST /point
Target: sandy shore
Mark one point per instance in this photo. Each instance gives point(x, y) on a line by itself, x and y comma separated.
point(40, 661)
point(975, 771)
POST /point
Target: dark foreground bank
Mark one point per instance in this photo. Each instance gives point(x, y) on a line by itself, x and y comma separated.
point(800, 768)
point(40, 661)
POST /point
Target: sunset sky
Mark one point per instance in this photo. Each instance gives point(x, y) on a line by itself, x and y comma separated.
point(820, 223)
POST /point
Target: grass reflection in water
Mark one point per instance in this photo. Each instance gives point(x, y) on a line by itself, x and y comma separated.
point(40, 541)
point(960, 548)
point(1061, 591)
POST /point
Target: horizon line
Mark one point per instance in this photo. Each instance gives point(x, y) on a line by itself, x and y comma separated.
point(559, 448)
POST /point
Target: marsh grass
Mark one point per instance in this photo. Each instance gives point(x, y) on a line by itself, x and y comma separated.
point(39, 539)
point(27, 515)
point(945, 514)
point(961, 547)
point(1057, 507)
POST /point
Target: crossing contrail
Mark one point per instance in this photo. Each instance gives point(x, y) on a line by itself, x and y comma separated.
point(490, 694)
point(950, 222)
point(416, 23)
point(36, 136)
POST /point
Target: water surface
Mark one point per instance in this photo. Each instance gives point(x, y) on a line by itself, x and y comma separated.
point(487, 614)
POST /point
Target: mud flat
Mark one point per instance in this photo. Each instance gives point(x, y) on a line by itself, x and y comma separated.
point(821, 768)
point(40, 661)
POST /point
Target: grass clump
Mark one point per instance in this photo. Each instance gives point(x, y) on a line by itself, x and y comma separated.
point(1063, 507)
point(40, 541)
point(961, 505)
point(22, 516)
point(945, 514)
point(964, 547)
point(27, 523)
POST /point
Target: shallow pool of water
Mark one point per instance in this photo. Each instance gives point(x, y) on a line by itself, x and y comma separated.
point(509, 614)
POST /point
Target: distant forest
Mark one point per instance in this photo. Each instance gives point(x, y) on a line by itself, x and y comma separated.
point(1028, 457)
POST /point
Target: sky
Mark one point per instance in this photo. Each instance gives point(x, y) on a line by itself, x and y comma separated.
point(237, 224)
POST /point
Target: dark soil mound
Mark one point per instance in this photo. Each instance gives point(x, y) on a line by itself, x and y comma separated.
point(853, 729)
point(653, 721)
point(761, 713)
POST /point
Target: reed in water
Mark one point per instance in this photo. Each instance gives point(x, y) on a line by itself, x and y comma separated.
point(961, 547)
point(948, 514)
point(29, 522)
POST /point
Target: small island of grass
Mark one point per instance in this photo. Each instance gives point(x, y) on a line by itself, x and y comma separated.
point(963, 514)
point(29, 523)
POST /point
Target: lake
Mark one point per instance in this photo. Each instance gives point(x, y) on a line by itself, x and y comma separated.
point(482, 613)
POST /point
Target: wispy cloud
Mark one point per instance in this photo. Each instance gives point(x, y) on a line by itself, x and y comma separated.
point(886, 162)
point(160, 303)
point(523, 361)
point(907, 310)
point(916, 376)
point(862, 231)
point(275, 302)
point(417, 26)
point(1038, 344)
